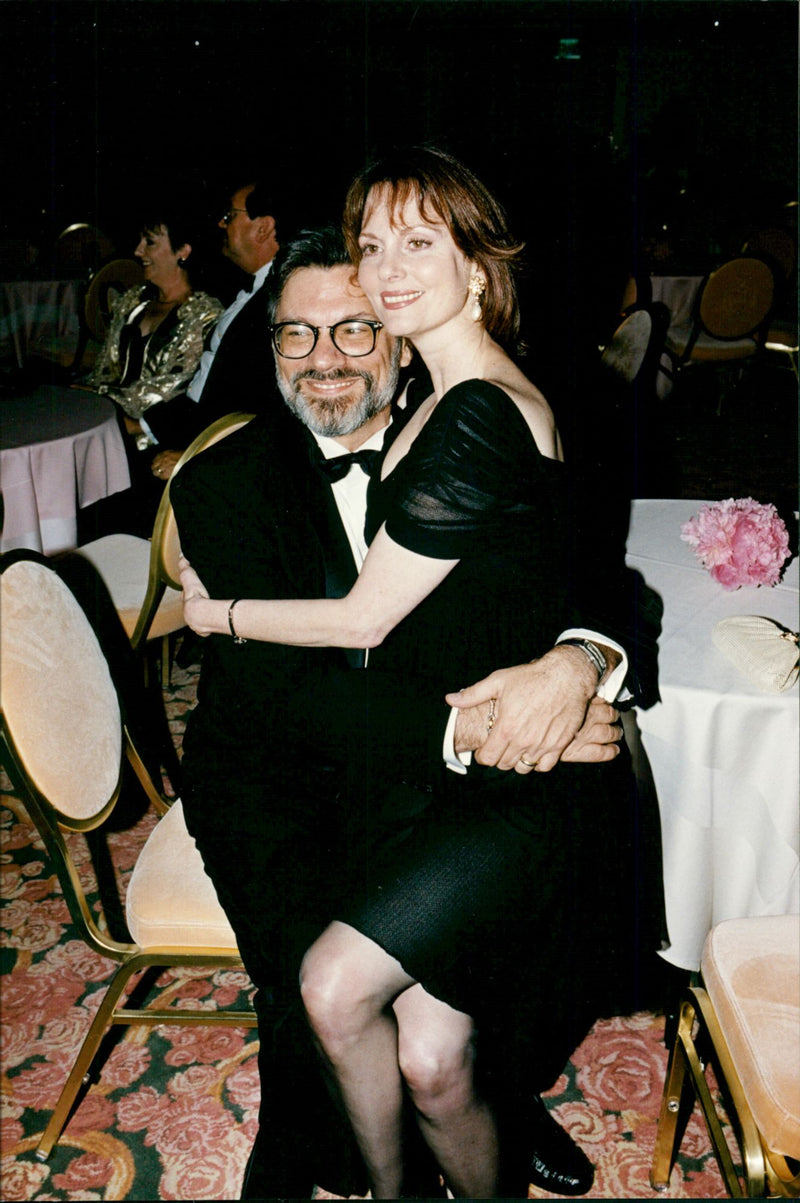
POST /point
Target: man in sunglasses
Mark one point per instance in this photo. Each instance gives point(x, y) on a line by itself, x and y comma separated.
point(274, 753)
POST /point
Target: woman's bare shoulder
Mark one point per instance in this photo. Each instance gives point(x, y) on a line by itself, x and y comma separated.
point(532, 405)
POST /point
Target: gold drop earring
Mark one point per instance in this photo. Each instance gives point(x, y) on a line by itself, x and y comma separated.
point(477, 287)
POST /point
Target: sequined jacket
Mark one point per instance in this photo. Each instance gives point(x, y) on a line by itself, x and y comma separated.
point(171, 356)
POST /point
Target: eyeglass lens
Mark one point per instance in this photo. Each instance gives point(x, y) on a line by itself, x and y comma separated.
point(296, 340)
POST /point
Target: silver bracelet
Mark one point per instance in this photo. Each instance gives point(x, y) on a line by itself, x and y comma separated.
point(592, 651)
point(236, 638)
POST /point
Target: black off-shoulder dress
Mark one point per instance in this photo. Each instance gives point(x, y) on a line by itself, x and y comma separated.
point(505, 895)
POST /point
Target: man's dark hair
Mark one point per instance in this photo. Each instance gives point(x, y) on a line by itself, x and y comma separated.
point(323, 247)
point(261, 202)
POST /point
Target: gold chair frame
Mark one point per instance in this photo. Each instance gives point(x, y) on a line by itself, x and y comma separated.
point(52, 825)
point(764, 1171)
point(165, 545)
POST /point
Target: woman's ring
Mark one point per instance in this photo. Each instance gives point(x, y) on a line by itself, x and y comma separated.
point(529, 764)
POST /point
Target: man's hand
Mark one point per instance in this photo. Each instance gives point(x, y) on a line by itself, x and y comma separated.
point(163, 464)
point(539, 710)
point(597, 741)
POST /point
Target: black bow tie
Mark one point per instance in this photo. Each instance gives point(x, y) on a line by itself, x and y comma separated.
point(338, 467)
point(248, 284)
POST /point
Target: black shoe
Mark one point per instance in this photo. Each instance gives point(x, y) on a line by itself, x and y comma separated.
point(557, 1163)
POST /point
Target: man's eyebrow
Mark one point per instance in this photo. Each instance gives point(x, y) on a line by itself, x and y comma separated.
point(361, 316)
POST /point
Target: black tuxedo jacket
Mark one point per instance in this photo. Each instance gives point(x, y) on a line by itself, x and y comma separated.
point(257, 519)
point(241, 378)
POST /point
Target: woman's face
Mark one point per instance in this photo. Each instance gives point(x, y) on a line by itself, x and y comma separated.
point(157, 257)
point(411, 269)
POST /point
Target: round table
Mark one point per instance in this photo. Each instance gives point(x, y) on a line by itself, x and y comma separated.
point(724, 755)
point(60, 449)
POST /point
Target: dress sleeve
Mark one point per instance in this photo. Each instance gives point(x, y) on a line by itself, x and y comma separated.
point(468, 471)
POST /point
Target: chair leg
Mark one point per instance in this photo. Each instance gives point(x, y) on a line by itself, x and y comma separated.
point(165, 662)
point(676, 1088)
point(83, 1061)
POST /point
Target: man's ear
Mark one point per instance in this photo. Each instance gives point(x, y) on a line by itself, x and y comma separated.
point(406, 353)
point(265, 230)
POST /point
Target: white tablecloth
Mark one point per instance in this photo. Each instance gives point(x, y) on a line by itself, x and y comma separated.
point(679, 294)
point(60, 449)
point(724, 755)
point(37, 311)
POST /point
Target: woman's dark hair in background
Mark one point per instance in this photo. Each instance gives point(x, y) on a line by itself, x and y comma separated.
point(446, 190)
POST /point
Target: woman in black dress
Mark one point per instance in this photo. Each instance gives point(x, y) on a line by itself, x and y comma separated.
point(497, 903)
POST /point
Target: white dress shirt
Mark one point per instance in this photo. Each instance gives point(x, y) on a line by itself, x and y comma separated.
point(207, 358)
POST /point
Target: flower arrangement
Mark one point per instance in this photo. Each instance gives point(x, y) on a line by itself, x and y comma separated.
point(740, 541)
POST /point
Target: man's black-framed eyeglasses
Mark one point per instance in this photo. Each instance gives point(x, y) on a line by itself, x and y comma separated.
point(353, 337)
point(227, 217)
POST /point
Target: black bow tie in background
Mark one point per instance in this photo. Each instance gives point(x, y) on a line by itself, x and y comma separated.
point(338, 467)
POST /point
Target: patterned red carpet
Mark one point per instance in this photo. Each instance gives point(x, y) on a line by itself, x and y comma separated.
point(174, 1113)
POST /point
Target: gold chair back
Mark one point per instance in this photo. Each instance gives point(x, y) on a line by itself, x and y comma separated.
point(165, 546)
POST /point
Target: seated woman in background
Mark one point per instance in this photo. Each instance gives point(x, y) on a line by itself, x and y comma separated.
point(151, 351)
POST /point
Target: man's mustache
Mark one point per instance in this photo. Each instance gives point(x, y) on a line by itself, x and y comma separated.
point(334, 374)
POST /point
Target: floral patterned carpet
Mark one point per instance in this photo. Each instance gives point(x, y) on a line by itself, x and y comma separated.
point(175, 1110)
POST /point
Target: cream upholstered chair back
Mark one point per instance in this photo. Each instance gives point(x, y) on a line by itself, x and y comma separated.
point(744, 1022)
point(59, 704)
point(737, 298)
point(115, 277)
point(62, 734)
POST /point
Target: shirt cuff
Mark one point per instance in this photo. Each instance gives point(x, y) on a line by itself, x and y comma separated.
point(458, 762)
point(152, 441)
point(613, 687)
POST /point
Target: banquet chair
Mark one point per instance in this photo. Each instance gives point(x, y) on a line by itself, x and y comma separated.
point(776, 246)
point(79, 250)
point(745, 1023)
point(142, 574)
point(633, 352)
point(65, 748)
point(730, 318)
point(117, 276)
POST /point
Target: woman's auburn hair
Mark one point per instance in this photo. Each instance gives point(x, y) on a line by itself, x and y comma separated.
point(476, 221)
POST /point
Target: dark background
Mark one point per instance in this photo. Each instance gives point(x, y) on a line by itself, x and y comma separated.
point(680, 114)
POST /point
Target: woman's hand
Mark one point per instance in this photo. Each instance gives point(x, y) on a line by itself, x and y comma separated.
point(194, 594)
point(164, 463)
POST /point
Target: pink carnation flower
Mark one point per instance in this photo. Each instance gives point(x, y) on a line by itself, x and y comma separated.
point(740, 541)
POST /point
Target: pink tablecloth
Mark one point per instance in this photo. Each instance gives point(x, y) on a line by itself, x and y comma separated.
point(60, 450)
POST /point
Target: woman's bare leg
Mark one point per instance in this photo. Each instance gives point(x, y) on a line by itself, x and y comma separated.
point(348, 983)
point(436, 1055)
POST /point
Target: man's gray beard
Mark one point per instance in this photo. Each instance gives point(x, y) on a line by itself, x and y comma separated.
point(337, 417)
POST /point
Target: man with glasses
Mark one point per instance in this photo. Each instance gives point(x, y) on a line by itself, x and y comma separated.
point(275, 753)
point(233, 367)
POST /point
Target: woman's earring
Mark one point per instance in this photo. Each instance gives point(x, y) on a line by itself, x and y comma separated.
point(477, 287)
point(181, 263)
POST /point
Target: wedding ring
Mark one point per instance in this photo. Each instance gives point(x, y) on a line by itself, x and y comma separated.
point(529, 764)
